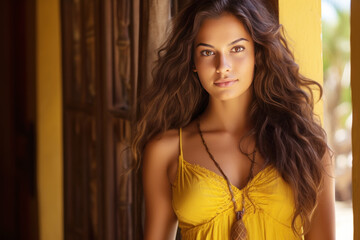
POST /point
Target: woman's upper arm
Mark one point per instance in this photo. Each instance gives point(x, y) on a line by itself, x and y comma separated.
point(323, 221)
point(160, 219)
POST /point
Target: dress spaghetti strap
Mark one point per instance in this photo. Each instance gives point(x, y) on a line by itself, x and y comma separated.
point(180, 142)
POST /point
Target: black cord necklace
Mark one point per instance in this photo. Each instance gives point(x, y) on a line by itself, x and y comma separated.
point(238, 230)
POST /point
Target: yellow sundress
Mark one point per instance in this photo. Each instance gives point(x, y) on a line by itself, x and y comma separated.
point(201, 201)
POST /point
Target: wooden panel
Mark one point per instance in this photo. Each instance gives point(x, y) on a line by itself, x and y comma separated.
point(355, 88)
point(82, 120)
point(90, 50)
point(76, 85)
point(100, 59)
point(75, 181)
point(121, 84)
point(82, 193)
point(82, 88)
point(81, 217)
point(100, 80)
point(124, 183)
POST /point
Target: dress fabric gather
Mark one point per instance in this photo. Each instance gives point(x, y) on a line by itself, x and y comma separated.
point(202, 203)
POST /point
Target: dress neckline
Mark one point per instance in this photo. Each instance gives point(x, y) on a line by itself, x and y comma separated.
point(221, 178)
point(214, 174)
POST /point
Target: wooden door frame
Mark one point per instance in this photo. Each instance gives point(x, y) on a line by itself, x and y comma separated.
point(355, 89)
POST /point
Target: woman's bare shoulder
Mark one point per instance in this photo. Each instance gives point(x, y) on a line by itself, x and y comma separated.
point(162, 148)
point(160, 218)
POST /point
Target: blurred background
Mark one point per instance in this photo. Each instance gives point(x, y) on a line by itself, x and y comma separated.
point(337, 105)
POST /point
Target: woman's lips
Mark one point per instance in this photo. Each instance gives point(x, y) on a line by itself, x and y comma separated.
point(225, 83)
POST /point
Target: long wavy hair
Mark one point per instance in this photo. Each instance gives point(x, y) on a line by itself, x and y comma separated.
point(286, 131)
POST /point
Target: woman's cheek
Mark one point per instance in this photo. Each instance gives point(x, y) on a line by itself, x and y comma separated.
point(206, 64)
point(244, 61)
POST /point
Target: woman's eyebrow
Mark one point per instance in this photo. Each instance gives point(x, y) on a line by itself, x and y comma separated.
point(206, 45)
point(232, 43)
point(238, 40)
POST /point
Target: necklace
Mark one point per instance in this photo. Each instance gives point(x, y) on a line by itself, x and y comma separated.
point(238, 229)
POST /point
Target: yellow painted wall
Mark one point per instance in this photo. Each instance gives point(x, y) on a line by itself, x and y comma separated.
point(49, 120)
point(302, 22)
point(355, 89)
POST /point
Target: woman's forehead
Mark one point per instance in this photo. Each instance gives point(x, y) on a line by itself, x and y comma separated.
point(223, 29)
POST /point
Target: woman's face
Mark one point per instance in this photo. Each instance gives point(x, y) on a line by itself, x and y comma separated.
point(224, 57)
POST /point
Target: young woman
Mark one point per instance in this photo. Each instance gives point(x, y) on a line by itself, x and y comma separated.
point(229, 144)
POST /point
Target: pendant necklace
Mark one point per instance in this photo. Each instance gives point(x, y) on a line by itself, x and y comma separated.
point(238, 229)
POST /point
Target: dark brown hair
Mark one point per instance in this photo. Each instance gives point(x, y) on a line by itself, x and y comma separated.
point(286, 131)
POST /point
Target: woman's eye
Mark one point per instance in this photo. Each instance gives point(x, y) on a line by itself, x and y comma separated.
point(237, 49)
point(206, 53)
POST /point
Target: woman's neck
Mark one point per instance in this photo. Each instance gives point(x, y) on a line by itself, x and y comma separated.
point(231, 116)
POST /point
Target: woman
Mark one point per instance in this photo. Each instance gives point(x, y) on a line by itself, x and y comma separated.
point(229, 144)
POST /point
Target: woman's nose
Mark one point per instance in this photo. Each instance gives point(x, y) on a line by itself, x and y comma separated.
point(223, 65)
